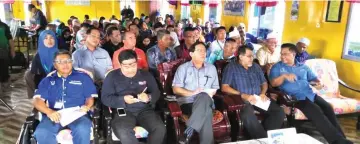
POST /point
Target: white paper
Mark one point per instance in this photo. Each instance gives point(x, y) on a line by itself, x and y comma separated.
point(282, 136)
point(68, 115)
point(210, 91)
point(262, 104)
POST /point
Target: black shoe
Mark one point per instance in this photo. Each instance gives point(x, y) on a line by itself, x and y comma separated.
point(184, 139)
point(342, 141)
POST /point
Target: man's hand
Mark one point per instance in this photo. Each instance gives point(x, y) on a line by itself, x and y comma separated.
point(129, 99)
point(54, 116)
point(197, 91)
point(143, 97)
point(251, 99)
point(264, 97)
point(290, 77)
point(84, 108)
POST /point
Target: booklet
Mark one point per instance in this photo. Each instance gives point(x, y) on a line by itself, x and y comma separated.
point(68, 115)
point(262, 104)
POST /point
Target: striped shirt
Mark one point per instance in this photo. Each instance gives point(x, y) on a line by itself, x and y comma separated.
point(245, 81)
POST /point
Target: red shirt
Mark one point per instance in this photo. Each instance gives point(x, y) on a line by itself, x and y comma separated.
point(141, 58)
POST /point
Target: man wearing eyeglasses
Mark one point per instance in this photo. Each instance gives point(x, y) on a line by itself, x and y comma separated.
point(195, 83)
point(92, 57)
point(269, 54)
point(132, 93)
point(246, 79)
point(182, 51)
point(249, 38)
point(65, 88)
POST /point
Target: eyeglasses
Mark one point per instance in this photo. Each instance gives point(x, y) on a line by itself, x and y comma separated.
point(68, 61)
point(95, 36)
point(285, 54)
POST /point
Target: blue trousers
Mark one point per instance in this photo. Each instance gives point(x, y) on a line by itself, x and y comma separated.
point(47, 130)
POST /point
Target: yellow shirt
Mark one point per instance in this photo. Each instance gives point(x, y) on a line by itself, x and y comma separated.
point(264, 56)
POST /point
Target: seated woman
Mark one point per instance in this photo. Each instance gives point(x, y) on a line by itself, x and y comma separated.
point(42, 63)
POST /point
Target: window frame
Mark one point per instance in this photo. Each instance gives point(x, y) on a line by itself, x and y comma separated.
point(345, 54)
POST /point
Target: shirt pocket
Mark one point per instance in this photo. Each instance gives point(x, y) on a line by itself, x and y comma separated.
point(75, 90)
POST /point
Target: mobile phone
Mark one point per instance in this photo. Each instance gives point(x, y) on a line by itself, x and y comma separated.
point(121, 111)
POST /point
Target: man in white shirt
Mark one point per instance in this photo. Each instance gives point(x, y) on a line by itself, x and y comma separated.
point(218, 44)
point(269, 54)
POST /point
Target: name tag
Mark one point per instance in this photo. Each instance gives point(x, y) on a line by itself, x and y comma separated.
point(75, 82)
point(59, 104)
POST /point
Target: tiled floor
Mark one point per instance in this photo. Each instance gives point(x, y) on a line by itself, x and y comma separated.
point(11, 122)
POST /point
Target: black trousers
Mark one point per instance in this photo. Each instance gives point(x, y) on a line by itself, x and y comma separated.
point(201, 116)
point(4, 70)
point(123, 127)
point(322, 116)
point(273, 119)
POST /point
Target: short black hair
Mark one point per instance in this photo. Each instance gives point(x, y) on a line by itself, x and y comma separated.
point(126, 55)
point(69, 21)
point(192, 47)
point(220, 28)
point(242, 50)
point(292, 47)
point(31, 6)
point(230, 40)
point(158, 25)
point(232, 28)
point(188, 29)
point(62, 52)
point(87, 17)
point(86, 25)
point(110, 30)
point(132, 25)
point(161, 33)
point(170, 26)
point(90, 29)
point(146, 17)
point(142, 14)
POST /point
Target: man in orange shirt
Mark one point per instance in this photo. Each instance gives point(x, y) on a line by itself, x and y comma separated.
point(129, 43)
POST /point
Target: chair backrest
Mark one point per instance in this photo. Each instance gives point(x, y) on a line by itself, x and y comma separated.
point(326, 72)
point(166, 74)
point(220, 66)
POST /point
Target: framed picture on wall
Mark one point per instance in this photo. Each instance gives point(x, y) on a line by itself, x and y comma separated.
point(333, 12)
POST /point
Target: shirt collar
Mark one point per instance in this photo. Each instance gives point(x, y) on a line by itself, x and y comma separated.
point(58, 74)
point(203, 66)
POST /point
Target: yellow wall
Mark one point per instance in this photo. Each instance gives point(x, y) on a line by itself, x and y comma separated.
point(326, 41)
point(142, 7)
point(58, 9)
point(18, 10)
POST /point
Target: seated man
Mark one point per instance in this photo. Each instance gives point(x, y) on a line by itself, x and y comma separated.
point(269, 54)
point(134, 92)
point(301, 54)
point(129, 41)
point(218, 44)
point(114, 40)
point(92, 57)
point(227, 53)
point(245, 78)
point(160, 52)
point(195, 83)
point(182, 51)
point(64, 88)
point(294, 79)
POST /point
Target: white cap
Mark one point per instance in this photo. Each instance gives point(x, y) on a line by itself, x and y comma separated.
point(304, 40)
point(106, 21)
point(115, 22)
point(242, 24)
point(216, 25)
point(271, 35)
point(234, 33)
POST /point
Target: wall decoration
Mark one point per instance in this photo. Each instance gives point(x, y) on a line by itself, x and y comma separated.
point(78, 2)
point(234, 7)
point(333, 12)
point(294, 10)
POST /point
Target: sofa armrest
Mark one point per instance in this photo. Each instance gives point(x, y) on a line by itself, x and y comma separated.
point(174, 109)
point(232, 102)
point(347, 86)
point(282, 97)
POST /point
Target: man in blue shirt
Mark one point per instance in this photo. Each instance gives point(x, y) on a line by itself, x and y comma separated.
point(92, 57)
point(246, 79)
point(160, 52)
point(65, 88)
point(195, 83)
point(295, 79)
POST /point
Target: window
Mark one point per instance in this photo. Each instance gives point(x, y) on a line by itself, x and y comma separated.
point(185, 9)
point(351, 49)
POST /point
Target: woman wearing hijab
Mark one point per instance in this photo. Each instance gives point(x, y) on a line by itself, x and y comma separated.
point(42, 64)
point(64, 40)
point(80, 39)
point(174, 41)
